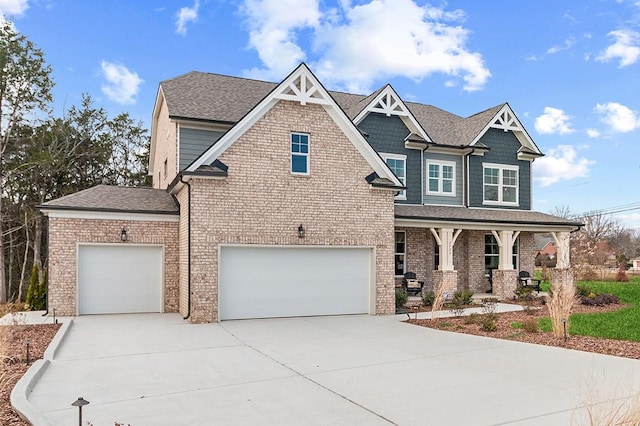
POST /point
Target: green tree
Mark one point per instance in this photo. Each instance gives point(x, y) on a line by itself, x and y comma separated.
point(25, 89)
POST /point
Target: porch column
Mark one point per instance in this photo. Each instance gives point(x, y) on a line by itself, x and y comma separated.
point(561, 275)
point(445, 277)
point(505, 278)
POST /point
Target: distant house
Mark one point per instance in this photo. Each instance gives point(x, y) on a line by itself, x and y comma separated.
point(546, 256)
point(635, 264)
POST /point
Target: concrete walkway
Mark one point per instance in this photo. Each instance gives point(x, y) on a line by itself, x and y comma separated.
point(155, 369)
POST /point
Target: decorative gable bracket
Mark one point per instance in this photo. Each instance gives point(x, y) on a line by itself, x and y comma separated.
point(304, 90)
point(506, 121)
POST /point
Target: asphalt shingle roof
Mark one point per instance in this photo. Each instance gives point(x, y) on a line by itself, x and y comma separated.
point(117, 199)
point(220, 98)
point(464, 214)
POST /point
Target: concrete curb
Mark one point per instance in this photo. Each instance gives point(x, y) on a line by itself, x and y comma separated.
point(20, 393)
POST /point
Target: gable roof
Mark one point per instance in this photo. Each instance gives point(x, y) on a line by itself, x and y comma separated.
point(108, 198)
point(300, 86)
point(217, 98)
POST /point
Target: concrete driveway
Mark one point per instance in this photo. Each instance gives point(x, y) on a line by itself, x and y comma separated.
point(156, 369)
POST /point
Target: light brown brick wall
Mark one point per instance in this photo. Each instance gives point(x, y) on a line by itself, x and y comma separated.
point(166, 147)
point(65, 234)
point(261, 202)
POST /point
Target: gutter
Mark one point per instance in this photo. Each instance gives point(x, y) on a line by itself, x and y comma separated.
point(188, 248)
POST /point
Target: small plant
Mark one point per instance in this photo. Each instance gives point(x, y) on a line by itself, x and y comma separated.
point(524, 294)
point(463, 297)
point(488, 323)
point(601, 299)
point(530, 325)
point(472, 318)
point(621, 276)
point(37, 291)
point(428, 297)
point(401, 298)
point(517, 325)
point(583, 290)
point(489, 305)
point(529, 310)
point(457, 311)
point(444, 324)
point(513, 335)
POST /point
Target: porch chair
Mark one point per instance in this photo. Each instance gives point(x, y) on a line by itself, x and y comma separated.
point(526, 280)
point(411, 284)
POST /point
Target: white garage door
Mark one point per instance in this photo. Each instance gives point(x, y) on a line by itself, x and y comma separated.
point(119, 279)
point(266, 282)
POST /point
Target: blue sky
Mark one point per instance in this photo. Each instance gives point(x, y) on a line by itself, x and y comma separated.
point(569, 69)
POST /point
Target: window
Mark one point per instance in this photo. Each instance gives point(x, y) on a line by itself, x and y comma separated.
point(165, 168)
point(299, 153)
point(436, 254)
point(500, 184)
point(398, 165)
point(400, 253)
point(492, 253)
point(441, 178)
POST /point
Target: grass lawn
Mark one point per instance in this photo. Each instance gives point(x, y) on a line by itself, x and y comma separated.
point(621, 324)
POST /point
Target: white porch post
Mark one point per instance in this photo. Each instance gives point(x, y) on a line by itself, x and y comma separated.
point(446, 238)
point(505, 241)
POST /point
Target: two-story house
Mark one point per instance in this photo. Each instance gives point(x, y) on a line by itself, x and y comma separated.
point(285, 199)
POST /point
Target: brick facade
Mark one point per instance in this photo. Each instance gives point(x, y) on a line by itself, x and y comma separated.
point(166, 148)
point(66, 234)
point(261, 202)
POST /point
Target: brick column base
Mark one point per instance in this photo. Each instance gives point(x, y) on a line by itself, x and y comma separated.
point(447, 279)
point(505, 283)
point(561, 277)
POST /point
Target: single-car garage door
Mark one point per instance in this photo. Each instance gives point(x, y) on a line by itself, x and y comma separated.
point(266, 282)
point(117, 278)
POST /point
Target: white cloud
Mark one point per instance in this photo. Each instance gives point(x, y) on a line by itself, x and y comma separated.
point(356, 45)
point(593, 133)
point(272, 25)
point(13, 7)
point(121, 85)
point(568, 43)
point(626, 48)
point(561, 163)
point(186, 15)
point(553, 120)
point(620, 118)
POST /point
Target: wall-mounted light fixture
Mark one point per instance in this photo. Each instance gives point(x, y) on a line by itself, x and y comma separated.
point(301, 231)
point(123, 235)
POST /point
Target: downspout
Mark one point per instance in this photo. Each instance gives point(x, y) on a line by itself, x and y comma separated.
point(188, 247)
point(46, 300)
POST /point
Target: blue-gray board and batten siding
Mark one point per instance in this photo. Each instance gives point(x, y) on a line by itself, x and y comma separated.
point(193, 142)
point(445, 200)
point(504, 148)
point(386, 135)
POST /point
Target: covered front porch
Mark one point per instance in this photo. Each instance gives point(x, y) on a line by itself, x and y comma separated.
point(481, 250)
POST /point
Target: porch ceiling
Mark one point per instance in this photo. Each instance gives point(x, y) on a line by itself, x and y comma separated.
point(481, 219)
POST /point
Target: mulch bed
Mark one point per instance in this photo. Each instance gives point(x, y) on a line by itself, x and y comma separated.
point(621, 348)
point(13, 361)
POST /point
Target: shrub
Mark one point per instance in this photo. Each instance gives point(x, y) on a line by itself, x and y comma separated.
point(621, 276)
point(37, 291)
point(488, 323)
point(457, 311)
point(489, 305)
point(428, 297)
point(463, 297)
point(530, 325)
point(472, 318)
point(401, 298)
point(524, 294)
point(517, 325)
point(529, 310)
point(600, 299)
point(583, 289)
point(444, 324)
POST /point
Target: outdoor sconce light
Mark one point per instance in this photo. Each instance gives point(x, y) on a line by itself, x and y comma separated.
point(80, 402)
point(301, 231)
point(123, 235)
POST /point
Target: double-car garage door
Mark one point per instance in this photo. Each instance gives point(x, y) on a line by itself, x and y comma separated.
point(119, 278)
point(266, 282)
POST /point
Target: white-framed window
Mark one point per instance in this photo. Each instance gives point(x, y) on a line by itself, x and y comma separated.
point(441, 178)
point(299, 153)
point(500, 184)
point(492, 253)
point(400, 253)
point(398, 165)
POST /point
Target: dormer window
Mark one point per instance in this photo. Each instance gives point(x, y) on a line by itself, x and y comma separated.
point(299, 154)
point(500, 184)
